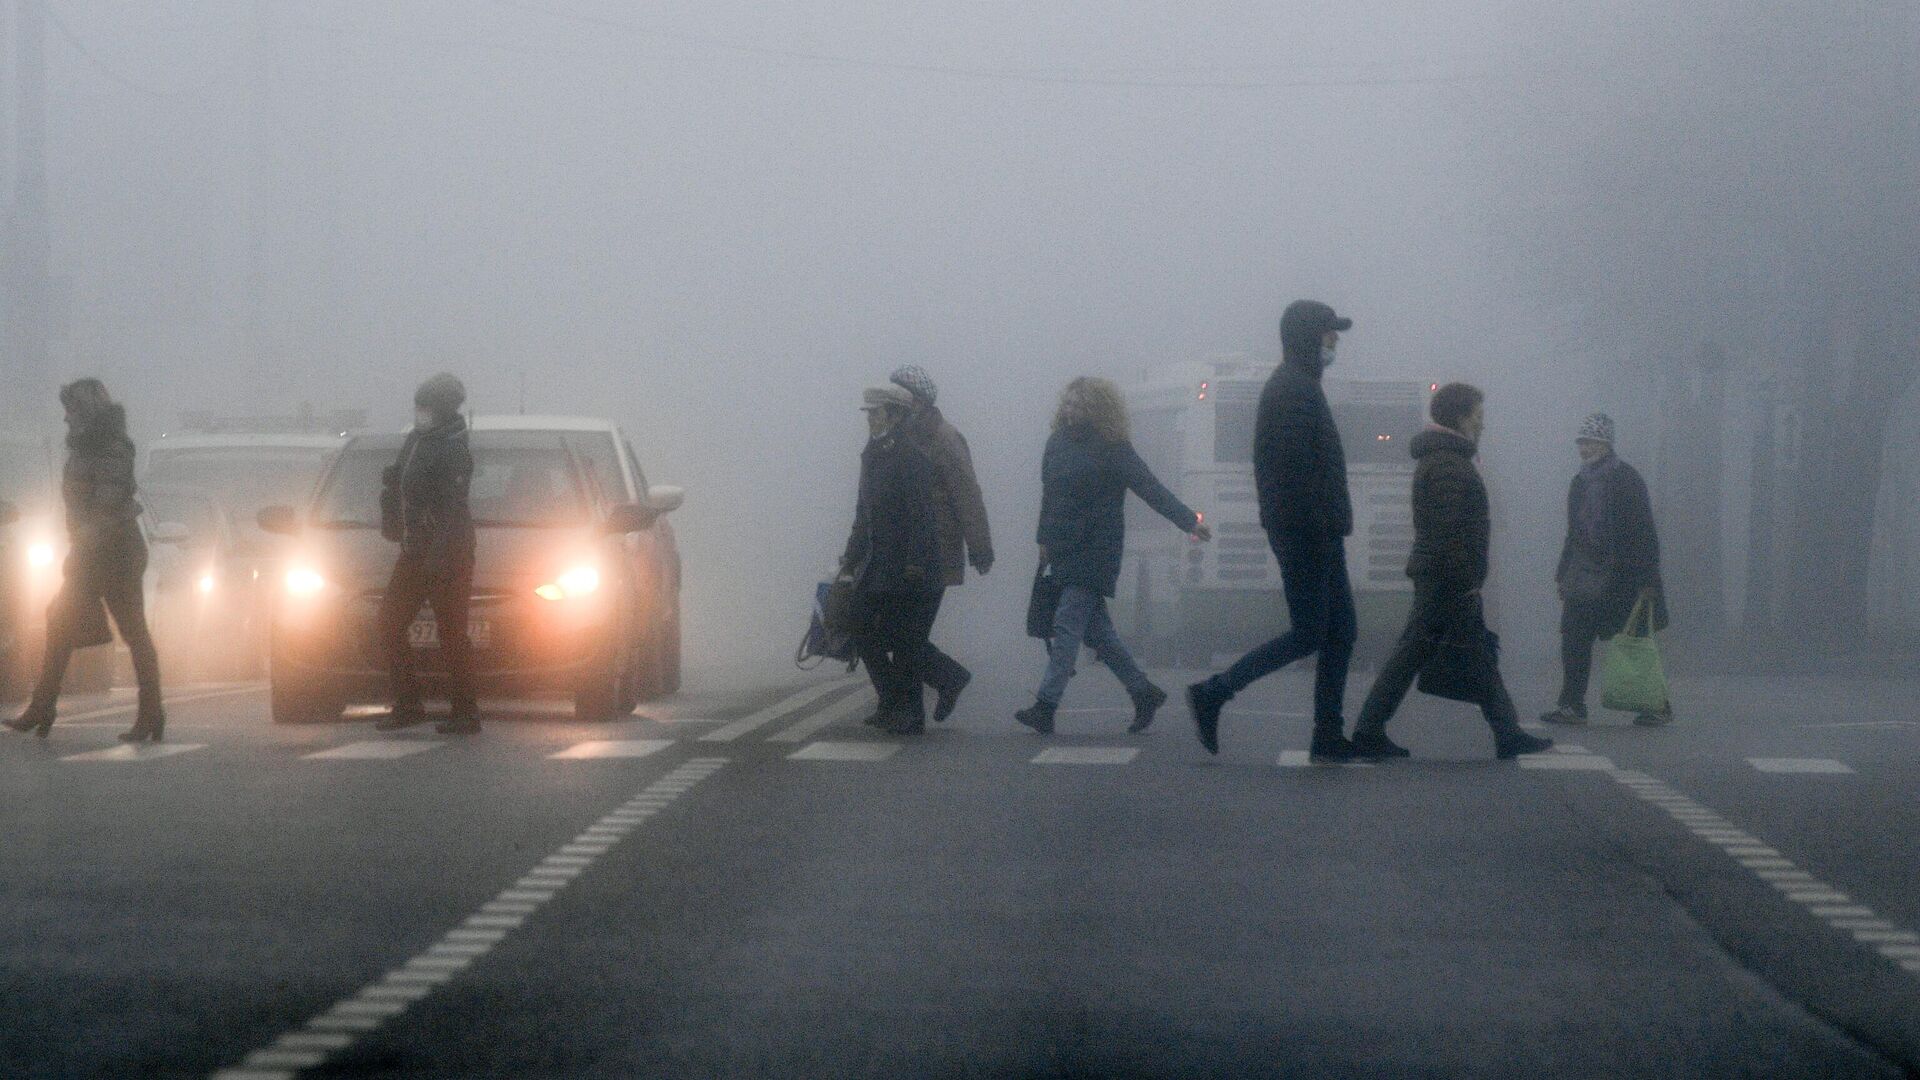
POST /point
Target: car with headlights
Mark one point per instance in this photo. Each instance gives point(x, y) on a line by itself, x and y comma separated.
point(206, 587)
point(33, 551)
point(576, 585)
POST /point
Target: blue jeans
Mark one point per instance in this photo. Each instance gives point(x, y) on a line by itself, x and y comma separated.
point(1320, 604)
point(1082, 618)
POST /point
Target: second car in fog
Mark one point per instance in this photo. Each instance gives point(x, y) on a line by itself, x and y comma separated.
point(576, 586)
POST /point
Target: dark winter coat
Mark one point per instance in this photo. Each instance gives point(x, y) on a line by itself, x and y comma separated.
point(1452, 528)
point(960, 513)
point(1299, 466)
point(895, 543)
point(1606, 570)
point(97, 484)
point(1084, 484)
point(424, 504)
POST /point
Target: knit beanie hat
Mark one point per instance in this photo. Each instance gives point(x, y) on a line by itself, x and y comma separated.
point(915, 380)
point(443, 394)
point(1598, 428)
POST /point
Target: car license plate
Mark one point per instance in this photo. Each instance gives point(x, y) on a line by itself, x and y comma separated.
point(425, 634)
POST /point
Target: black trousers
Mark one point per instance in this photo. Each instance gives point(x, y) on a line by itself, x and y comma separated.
point(1435, 611)
point(1582, 623)
point(1313, 571)
point(111, 571)
point(940, 671)
point(892, 639)
point(449, 592)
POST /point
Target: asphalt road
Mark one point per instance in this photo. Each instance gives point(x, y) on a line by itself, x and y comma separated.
point(747, 882)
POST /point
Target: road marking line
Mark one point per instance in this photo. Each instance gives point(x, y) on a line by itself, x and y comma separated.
point(130, 752)
point(611, 748)
point(1567, 762)
point(373, 750)
point(1086, 755)
point(1798, 765)
point(786, 706)
point(1832, 907)
point(845, 751)
point(76, 720)
point(1302, 759)
point(399, 989)
point(845, 709)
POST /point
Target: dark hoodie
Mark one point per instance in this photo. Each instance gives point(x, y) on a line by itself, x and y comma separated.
point(1299, 466)
point(98, 484)
point(1451, 524)
point(427, 493)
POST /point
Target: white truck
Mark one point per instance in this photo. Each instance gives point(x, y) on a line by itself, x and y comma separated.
point(1193, 423)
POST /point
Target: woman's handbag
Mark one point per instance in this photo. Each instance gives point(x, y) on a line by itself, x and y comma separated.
point(1042, 603)
point(1633, 678)
point(830, 632)
point(1466, 659)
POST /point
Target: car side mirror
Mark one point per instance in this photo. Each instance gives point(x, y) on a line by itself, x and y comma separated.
point(279, 520)
point(630, 518)
point(665, 499)
point(9, 513)
point(171, 532)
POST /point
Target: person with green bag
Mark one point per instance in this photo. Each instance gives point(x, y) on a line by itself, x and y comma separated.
point(1610, 587)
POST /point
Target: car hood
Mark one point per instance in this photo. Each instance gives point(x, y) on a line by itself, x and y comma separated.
point(361, 560)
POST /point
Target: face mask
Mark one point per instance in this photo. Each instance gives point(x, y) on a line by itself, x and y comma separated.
point(1326, 356)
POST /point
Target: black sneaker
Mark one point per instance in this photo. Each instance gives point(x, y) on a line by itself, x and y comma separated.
point(1510, 746)
point(948, 697)
point(1330, 748)
point(1038, 716)
point(1206, 705)
point(1374, 745)
point(1570, 715)
point(1144, 707)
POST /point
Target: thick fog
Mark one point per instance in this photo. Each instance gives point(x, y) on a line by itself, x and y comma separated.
point(716, 221)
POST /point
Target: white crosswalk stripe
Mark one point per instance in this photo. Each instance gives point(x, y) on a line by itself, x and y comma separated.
point(859, 702)
point(129, 753)
point(792, 702)
point(845, 751)
point(373, 750)
point(1086, 755)
point(1799, 765)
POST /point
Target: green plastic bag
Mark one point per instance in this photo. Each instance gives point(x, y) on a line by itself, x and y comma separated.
point(1634, 680)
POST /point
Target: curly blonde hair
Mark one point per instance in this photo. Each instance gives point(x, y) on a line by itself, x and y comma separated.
point(1094, 403)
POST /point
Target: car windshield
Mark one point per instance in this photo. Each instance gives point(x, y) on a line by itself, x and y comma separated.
point(196, 512)
point(520, 480)
point(245, 478)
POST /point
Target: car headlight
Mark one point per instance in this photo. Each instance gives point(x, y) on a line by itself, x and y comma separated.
point(40, 555)
point(304, 581)
point(205, 584)
point(580, 581)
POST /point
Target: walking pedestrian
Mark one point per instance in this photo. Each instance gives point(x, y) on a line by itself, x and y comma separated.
point(1609, 563)
point(106, 563)
point(1300, 471)
point(960, 516)
point(424, 509)
point(1089, 467)
point(1452, 532)
point(892, 560)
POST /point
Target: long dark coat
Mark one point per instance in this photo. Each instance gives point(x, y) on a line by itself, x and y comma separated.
point(894, 546)
point(1084, 483)
point(1626, 558)
point(1452, 527)
point(425, 500)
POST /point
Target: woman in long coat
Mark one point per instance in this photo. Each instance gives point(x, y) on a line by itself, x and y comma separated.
point(1088, 468)
point(106, 562)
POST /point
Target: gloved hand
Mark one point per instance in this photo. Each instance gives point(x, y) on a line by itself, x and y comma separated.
point(982, 562)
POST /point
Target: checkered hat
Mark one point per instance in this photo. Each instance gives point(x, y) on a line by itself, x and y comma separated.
point(915, 380)
point(1598, 427)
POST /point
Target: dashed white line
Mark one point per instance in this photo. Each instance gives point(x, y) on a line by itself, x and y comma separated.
point(1798, 765)
point(337, 1029)
point(1833, 907)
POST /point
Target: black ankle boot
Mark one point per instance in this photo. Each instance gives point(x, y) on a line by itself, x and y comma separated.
point(1144, 707)
point(148, 725)
point(34, 721)
point(1038, 716)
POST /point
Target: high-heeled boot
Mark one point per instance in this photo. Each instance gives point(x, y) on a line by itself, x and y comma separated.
point(37, 719)
point(148, 726)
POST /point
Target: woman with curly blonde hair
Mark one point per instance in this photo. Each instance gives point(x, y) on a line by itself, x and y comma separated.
point(1085, 475)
